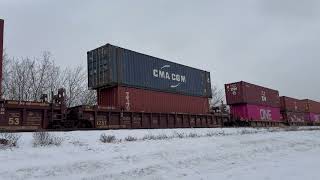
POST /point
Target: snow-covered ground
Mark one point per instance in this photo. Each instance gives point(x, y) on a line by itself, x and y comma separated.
point(247, 154)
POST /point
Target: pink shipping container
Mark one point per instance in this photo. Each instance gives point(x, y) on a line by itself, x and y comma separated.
point(246, 93)
point(294, 116)
point(312, 117)
point(141, 100)
point(255, 112)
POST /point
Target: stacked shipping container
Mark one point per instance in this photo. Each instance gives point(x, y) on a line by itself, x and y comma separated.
point(312, 110)
point(131, 81)
point(293, 110)
point(251, 102)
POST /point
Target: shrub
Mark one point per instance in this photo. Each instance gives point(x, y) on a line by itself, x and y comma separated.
point(43, 138)
point(162, 137)
point(8, 140)
point(222, 133)
point(193, 135)
point(179, 135)
point(107, 138)
point(130, 138)
point(149, 137)
point(210, 134)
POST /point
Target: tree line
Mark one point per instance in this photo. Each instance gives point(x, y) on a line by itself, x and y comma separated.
point(26, 79)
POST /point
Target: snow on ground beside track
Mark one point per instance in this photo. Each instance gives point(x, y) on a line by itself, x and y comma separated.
point(233, 154)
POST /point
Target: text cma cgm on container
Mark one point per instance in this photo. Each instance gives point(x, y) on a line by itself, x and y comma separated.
point(110, 66)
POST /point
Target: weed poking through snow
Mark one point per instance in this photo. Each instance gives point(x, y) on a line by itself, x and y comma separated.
point(43, 138)
point(107, 138)
point(9, 140)
point(131, 138)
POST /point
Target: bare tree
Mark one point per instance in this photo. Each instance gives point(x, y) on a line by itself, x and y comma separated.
point(20, 85)
point(6, 72)
point(40, 73)
point(217, 96)
point(74, 83)
point(28, 79)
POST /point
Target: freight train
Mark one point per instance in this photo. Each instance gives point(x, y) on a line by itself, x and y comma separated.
point(135, 91)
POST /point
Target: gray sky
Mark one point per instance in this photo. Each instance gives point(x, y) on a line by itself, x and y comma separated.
point(273, 43)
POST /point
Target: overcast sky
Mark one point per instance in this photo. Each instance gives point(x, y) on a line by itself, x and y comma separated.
point(274, 43)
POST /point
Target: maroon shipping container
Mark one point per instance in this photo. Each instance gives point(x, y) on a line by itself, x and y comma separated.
point(311, 106)
point(294, 116)
point(1, 50)
point(246, 93)
point(140, 100)
point(291, 104)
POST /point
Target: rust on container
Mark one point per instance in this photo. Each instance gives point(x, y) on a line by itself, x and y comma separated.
point(246, 93)
point(291, 104)
point(140, 100)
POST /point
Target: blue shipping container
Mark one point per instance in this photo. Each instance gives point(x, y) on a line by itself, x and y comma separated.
point(111, 66)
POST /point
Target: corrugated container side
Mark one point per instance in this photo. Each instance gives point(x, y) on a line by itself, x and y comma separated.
point(291, 104)
point(234, 93)
point(108, 98)
point(139, 100)
point(311, 106)
point(246, 93)
point(110, 66)
point(1, 51)
point(294, 116)
point(255, 112)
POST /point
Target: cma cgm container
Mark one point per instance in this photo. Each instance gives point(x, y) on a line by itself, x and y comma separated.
point(291, 104)
point(112, 66)
point(246, 93)
point(140, 100)
point(255, 112)
point(311, 106)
